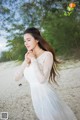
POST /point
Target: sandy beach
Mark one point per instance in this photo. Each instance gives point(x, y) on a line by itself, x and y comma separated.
point(16, 100)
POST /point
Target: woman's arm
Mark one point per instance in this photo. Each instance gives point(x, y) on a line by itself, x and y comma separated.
point(42, 72)
point(19, 72)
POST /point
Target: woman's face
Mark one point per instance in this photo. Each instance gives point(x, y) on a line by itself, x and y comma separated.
point(29, 41)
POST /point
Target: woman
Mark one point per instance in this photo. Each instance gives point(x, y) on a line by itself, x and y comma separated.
point(39, 69)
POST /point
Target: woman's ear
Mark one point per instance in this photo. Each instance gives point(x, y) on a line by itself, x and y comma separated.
point(37, 41)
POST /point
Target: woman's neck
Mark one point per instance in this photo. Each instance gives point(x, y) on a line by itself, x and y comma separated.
point(37, 51)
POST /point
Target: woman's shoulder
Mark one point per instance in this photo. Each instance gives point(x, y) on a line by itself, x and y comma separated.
point(49, 53)
point(45, 55)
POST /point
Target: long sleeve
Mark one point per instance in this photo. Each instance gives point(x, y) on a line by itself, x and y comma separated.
point(42, 73)
point(19, 72)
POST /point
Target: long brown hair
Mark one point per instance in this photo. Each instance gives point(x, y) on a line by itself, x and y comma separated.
point(47, 47)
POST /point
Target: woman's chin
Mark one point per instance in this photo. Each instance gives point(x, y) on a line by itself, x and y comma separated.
point(29, 49)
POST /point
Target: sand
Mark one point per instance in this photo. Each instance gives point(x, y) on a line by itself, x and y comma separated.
point(16, 100)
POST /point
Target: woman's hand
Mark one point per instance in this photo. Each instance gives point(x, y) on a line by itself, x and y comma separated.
point(27, 58)
point(31, 55)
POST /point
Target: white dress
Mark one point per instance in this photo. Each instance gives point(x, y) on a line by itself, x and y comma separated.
point(46, 102)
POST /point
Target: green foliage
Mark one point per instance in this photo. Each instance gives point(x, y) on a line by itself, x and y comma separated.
point(62, 32)
point(17, 50)
point(6, 56)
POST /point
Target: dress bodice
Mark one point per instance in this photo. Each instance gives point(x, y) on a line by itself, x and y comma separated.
point(39, 69)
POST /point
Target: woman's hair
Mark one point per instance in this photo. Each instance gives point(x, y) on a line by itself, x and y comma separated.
point(47, 47)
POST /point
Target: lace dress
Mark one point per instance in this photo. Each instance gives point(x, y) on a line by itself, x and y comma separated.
point(46, 102)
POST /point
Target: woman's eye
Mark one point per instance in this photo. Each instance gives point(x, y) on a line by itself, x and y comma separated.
point(26, 40)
